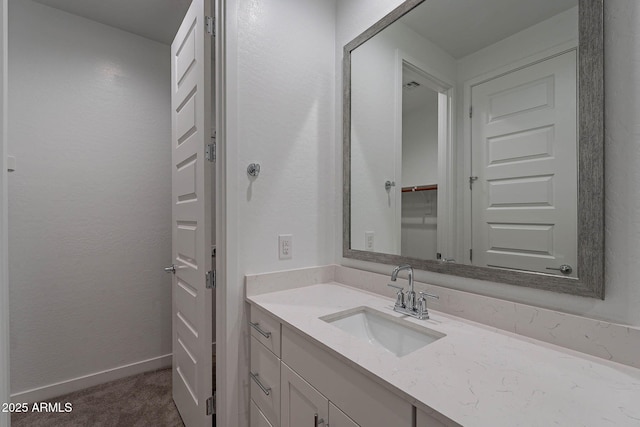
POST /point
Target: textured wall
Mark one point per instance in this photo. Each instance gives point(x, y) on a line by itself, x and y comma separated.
point(280, 93)
point(622, 171)
point(90, 201)
point(285, 97)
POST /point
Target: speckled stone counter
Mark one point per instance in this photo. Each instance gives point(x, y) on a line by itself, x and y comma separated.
point(475, 375)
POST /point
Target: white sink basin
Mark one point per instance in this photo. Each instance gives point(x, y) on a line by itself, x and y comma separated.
point(382, 330)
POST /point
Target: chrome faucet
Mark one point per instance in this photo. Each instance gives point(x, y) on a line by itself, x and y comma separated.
point(417, 309)
point(411, 295)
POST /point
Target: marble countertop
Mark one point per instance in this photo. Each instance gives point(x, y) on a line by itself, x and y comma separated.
point(475, 375)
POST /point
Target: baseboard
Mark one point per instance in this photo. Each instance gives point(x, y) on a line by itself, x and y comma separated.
point(65, 387)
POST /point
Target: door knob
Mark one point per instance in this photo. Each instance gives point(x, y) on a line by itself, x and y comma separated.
point(564, 269)
point(171, 269)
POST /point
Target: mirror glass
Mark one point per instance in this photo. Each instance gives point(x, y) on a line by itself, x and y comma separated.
point(463, 136)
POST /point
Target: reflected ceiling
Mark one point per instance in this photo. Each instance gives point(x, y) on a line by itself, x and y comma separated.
point(461, 27)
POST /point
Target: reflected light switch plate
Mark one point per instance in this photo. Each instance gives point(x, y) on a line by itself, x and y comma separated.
point(369, 240)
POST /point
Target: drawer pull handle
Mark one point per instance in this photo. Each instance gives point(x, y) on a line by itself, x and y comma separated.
point(257, 327)
point(316, 421)
point(266, 390)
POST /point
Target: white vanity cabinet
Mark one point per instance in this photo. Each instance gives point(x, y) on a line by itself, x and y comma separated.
point(256, 417)
point(303, 405)
point(425, 420)
point(339, 418)
point(264, 370)
point(296, 383)
point(266, 329)
point(364, 401)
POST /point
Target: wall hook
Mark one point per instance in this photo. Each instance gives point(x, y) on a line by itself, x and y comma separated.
point(253, 169)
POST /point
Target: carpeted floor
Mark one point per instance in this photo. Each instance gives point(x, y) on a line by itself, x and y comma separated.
point(142, 400)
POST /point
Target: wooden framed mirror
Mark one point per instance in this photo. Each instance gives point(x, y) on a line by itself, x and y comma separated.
point(474, 139)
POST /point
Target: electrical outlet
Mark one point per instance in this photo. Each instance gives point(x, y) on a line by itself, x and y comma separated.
point(285, 246)
point(368, 240)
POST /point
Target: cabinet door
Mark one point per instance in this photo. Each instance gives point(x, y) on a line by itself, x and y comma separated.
point(425, 420)
point(302, 405)
point(337, 418)
point(256, 417)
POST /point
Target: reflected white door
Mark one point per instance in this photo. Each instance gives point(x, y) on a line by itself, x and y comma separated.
point(191, 216)
point(524, 155)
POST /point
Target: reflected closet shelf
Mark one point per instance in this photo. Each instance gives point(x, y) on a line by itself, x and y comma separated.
point(419, 188)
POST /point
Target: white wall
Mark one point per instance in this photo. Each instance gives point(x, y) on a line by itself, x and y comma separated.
point(280, 113)
point(420, 145)
point(622, 172)
point(557, 30)
point(90, 201)
point(374, 135)
point(4, 276)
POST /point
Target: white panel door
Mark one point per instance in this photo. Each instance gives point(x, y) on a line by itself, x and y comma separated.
point(302, 405)
point(191, 216)
point(524, 151)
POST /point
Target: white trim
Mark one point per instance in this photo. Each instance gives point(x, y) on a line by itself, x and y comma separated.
point(69, 386)
point(446, 172)
point(397, 154)
point(227, 408)
point(5, 419)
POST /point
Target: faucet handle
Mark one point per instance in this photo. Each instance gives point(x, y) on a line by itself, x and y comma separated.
point(425, 294)
point(421, 308)
point(399, 295)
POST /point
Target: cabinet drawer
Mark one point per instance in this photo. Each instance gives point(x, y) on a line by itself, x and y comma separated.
point(367, 402)
point(265, 381)
point(266, 329)
point(256, 417)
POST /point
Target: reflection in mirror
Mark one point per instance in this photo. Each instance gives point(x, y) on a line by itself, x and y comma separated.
point(400, 140)
point(463, 136)
point(419, 167)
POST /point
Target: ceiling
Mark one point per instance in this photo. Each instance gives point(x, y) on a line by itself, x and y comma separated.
point(154, 19)
point(458, 26)
point(419, 96)
point(462, 27)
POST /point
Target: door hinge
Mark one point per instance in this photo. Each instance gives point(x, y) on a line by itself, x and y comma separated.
point(470, 111)
point(472, 179)
point(211, 405)
point(210, 152)
point(210, 25)
point(211, 279)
